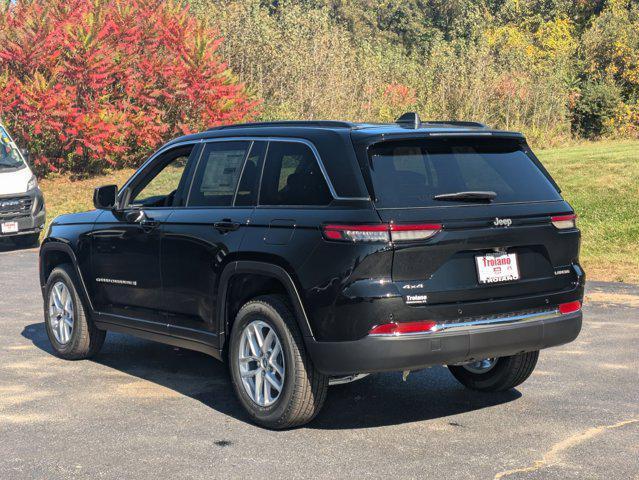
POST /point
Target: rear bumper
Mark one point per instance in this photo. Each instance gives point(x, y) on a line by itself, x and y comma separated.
point(457, 344)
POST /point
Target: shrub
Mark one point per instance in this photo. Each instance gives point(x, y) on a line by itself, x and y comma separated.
point(92, 84)
point(596, 108)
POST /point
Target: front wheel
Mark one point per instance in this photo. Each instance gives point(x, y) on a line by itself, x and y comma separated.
point(272, 374)
point(496, 374)
point(71, 331)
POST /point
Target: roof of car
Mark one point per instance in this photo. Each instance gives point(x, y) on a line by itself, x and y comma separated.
point(408, 125)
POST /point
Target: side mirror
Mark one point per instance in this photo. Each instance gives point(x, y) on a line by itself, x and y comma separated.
point(105, 197)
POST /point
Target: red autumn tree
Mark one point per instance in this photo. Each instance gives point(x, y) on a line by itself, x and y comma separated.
point(91, 84)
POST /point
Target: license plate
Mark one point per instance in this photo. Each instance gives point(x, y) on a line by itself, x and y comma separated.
point(497, 267)
point(9, 227)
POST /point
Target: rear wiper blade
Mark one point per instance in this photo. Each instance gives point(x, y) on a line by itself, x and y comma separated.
point(469, 196)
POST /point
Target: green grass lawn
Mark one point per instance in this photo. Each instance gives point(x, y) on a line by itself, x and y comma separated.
point(600, 180)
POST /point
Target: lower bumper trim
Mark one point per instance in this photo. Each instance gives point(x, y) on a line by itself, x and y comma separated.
point(454, 345)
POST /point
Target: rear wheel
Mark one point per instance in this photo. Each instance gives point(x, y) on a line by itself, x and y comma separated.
point(496, 374)
point(71, 332)
point(272, 374)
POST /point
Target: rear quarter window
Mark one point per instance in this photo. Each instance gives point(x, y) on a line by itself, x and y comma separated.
point(411, 173)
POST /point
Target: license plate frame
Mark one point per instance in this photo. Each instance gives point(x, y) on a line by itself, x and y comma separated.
point(9, 227)
point(497, 268)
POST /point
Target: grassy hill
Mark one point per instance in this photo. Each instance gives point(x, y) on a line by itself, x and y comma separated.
point(600, 180)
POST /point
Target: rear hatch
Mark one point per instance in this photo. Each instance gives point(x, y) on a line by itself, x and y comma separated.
point(505, 230)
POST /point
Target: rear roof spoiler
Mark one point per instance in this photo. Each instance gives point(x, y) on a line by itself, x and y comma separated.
point(412, 120)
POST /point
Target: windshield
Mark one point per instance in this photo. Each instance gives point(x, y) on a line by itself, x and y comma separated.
point(412, 173)
point(10, 157)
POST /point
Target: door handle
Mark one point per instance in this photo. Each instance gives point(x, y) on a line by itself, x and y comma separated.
point(148, 224)
point(226, 226)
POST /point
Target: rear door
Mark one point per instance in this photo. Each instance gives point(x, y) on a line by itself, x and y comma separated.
point(503, 247)
point(293, 201)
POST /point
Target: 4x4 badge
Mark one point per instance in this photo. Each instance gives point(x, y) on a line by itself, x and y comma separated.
point(502, 222)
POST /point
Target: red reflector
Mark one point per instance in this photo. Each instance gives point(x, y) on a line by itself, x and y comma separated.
point(404, 328)
point(385, 329)
point(333, 234)
point(570, 307)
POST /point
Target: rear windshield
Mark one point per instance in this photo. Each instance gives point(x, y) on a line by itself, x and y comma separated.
point(411, 173)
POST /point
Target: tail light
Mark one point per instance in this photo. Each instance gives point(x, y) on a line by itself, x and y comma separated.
point(403, 328)
point(570, 307)
point(357, 233)
point(562, 222)
point(408, 233)
point(380, 232)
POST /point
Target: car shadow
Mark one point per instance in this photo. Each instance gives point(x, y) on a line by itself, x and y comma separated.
point(377, 400)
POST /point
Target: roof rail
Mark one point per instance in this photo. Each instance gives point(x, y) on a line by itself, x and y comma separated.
point(288, 123)
point(457, 123)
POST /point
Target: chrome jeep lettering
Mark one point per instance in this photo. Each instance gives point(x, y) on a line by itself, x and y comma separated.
point(502, 222)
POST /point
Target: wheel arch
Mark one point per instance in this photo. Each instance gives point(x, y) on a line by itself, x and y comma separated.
point(279, 281)
point(54, 253)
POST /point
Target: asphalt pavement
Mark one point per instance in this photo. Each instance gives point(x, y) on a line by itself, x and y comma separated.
point(142, 410)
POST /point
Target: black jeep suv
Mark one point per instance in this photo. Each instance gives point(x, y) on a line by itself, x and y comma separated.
point(310, 253)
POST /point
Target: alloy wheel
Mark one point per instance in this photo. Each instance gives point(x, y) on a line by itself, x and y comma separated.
point(61, 313)
point(261, 362)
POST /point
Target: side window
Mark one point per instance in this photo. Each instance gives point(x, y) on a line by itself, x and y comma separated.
point(217, 174)
point(249, 183)
point(292, 176)
point(161, 185)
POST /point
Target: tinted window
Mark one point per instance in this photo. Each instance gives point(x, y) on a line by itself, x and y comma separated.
point(217, 174)
point(249, 183)
point(411, 173)
point(292, 176)
point(160, 187)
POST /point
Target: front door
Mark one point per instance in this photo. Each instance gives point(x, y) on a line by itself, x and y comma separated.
point(126, 242)
point(198, 239)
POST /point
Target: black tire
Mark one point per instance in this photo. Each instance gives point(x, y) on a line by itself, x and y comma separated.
point(304, 388)
point(86, 339)
point(27, 241)
point(507, 373)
